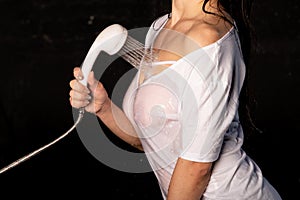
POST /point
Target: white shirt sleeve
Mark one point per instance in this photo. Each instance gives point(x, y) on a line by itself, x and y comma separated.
point(212, 101)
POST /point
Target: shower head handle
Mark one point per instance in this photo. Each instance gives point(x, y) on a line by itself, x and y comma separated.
point(110, 40)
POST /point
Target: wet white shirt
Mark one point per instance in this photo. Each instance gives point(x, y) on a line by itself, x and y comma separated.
point(190, 110)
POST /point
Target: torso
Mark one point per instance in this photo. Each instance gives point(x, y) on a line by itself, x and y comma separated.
point(235, 175)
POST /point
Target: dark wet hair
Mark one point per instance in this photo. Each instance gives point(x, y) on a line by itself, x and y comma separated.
point(240, 11)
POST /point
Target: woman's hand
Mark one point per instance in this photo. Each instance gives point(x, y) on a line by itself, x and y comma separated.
point(92, 98)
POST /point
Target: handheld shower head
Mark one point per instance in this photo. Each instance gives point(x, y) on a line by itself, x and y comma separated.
point(110, 40)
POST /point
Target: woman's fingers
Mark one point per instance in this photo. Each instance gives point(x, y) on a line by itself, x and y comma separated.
point(77, 73)
point(91, 97)
point(77, 86)
point(78, 104)
point(79, 96)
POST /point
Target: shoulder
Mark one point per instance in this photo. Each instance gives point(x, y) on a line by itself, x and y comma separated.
point(203, 35)
point(206, 34)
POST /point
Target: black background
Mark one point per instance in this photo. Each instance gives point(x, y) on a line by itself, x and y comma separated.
point(42, 41)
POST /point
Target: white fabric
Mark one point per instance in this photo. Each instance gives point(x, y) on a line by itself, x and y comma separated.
point(189, 110)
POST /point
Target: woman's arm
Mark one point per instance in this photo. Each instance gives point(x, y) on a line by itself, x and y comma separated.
point(114, 118)
point(189, 180)
point(95, 100)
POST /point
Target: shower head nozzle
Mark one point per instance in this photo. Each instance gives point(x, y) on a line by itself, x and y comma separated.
point(110, 40)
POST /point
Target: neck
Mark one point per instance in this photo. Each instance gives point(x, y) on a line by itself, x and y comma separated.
point(190, 9)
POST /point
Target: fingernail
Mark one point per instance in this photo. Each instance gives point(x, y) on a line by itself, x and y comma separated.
point(79, 77)
point(86, 102)
point(89, 97)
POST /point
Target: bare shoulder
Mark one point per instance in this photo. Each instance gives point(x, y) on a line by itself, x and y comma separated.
point(205, 34)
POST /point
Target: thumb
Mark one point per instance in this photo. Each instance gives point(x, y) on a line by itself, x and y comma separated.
point(92, 82)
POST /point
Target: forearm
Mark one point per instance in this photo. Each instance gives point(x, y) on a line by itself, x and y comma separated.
point(189, 180)
point(116, 120)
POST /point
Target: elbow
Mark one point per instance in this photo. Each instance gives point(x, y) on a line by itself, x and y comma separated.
point(138, 145)
point(201, 170)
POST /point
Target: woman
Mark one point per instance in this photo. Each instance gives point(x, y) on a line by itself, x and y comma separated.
point(184, 116)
